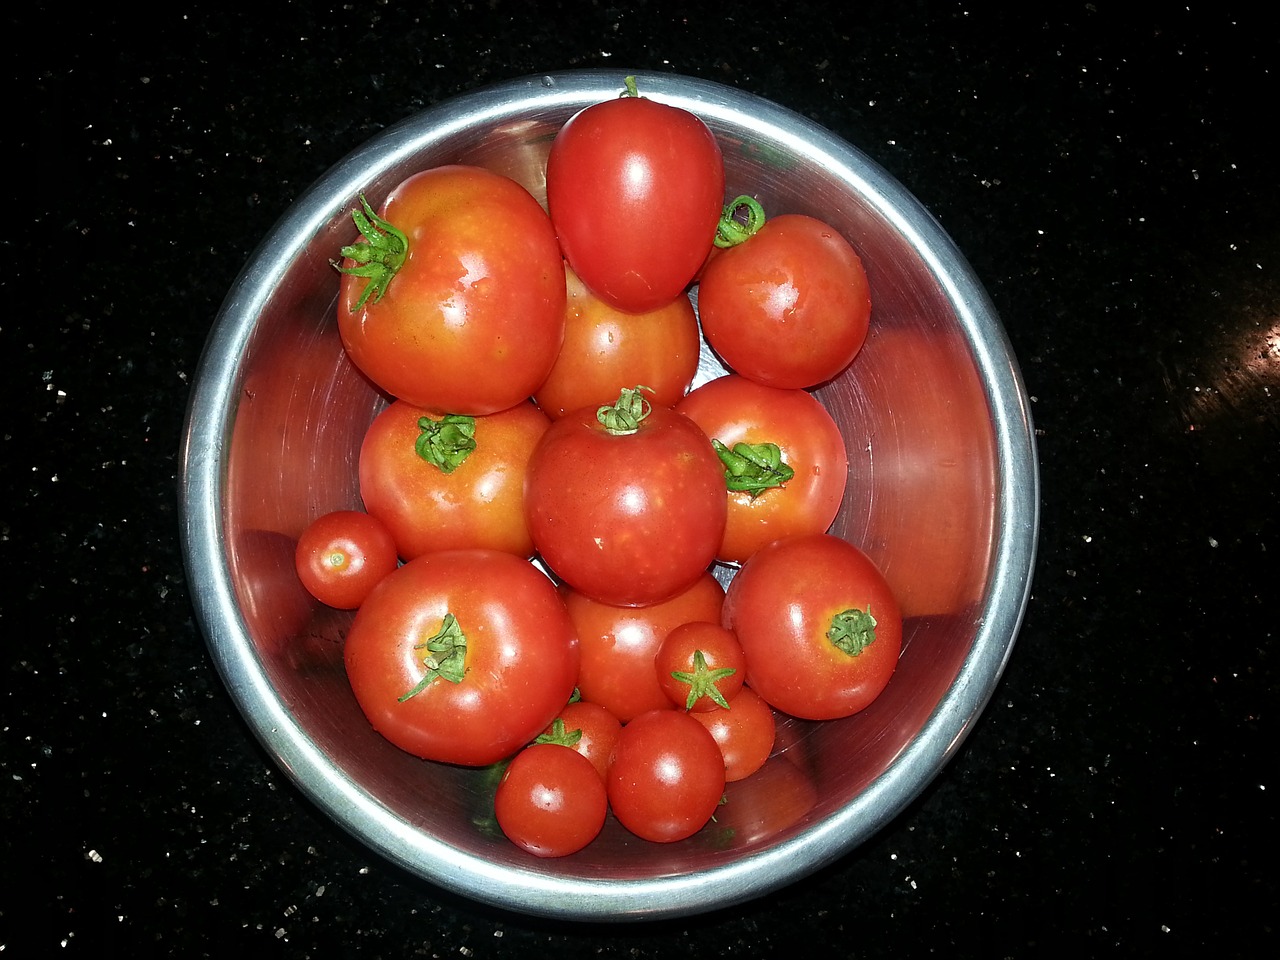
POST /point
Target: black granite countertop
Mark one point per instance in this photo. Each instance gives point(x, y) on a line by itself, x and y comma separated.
point(1111, 179)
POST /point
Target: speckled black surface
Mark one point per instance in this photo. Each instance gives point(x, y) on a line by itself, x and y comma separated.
point(1109, 176)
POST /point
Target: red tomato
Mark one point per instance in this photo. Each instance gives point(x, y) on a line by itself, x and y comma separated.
point(343, 555)
point(618, 645)
point(745, 732)
point(446, 483)
point(455, 299)
point(462, 656)
point(666, 776)
point(550, 801)
point(588, 728)
point(626, 504)
point(700, 666)
point(790, 306)
point(606, 349)
point(819, 625)
point(635, 189)
point(789, 477)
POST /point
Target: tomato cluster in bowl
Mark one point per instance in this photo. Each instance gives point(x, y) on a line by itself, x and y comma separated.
point(546, 493)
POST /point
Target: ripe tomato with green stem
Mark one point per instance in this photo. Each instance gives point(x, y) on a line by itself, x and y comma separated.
point(587, 727)
point(462, 656)
point(744, 729)
point(700, 666)
point(453, 297)
point(626, 502)
point(342, 555)
point(819, 624)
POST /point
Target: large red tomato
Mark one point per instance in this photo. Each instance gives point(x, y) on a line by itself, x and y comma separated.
point(785, 460)
point(453, 482)
point(635, 189)
point(626, 504)
point(818, 623)
point(462, 656)
point(454, 300)
point(790, 306)
point(606, 349)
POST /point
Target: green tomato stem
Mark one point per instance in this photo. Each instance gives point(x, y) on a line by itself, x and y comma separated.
point(852, 631)
point(702, 681)
point(446, 442)
point(624, 417)
point(446, 656)
point(741, 220)
point(753, 468)
point(559, 735)
point(378, 257)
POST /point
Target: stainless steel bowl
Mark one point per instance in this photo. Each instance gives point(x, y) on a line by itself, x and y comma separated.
point(943, 493)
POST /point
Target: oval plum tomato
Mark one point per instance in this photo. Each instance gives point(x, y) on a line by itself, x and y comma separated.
point(454, 299)
point(700, 666)
point(744, 730)
point(588, 728)
point(790, 306)
point(606, 349)
point(626, 503)
point(618, 644)
point(666, 777)
point(819, 625)
point(550, 800)
point(343, 555)
point(635, 189)
point(451, 482)
point(462, 656)
point(785, 461)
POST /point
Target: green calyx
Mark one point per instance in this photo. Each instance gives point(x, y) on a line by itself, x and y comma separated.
point(632, 90)
point(702, 681)
point(741, 220)
point(852, 631)
point(753, 468)
point(446, 442)
point(559, 735)
point(378, 257)
point(625, 416)
point(446, 656)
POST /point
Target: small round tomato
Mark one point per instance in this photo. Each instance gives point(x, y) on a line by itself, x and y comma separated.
point(784, 457)
point(343, 555)
point(450, 482)
point(462, 656)
point(550, 801)
point(635, 189)
point(606, 349)
point(666, 777)
point(618, 645)
point(745, 731)
point(700, 665)
point(788, 307)
point(454, 298)
point(588, 728)
point(626, 503)
point(819, 624)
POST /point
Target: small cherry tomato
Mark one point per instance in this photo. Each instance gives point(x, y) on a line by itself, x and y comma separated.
point(618, 645)
point(450, 482)
point(343, 555)
point(784, 459)
point(635, 189)
point(454, 297)
point(550, 801)
point(666, 776)
point(790, 306)
point(745, 732)
point(606, 349)
point(700, 666)
point(588, 728)
point(819, 624)
point(626, 503)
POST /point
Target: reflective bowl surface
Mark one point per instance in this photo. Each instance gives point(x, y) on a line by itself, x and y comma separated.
point(943, 493)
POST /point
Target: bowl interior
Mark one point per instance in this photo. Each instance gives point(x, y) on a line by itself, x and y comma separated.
point(942, 494)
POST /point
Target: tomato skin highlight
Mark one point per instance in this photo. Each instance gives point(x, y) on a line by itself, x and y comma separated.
point(628, 520)
point(733, 409)
point(635, 189)
point(521, 660)
point(790, 306)
point(550, 801)
point(341, 556)
point(781, 605)
point(473, 320)
point(479, 504)
point(666, 776)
